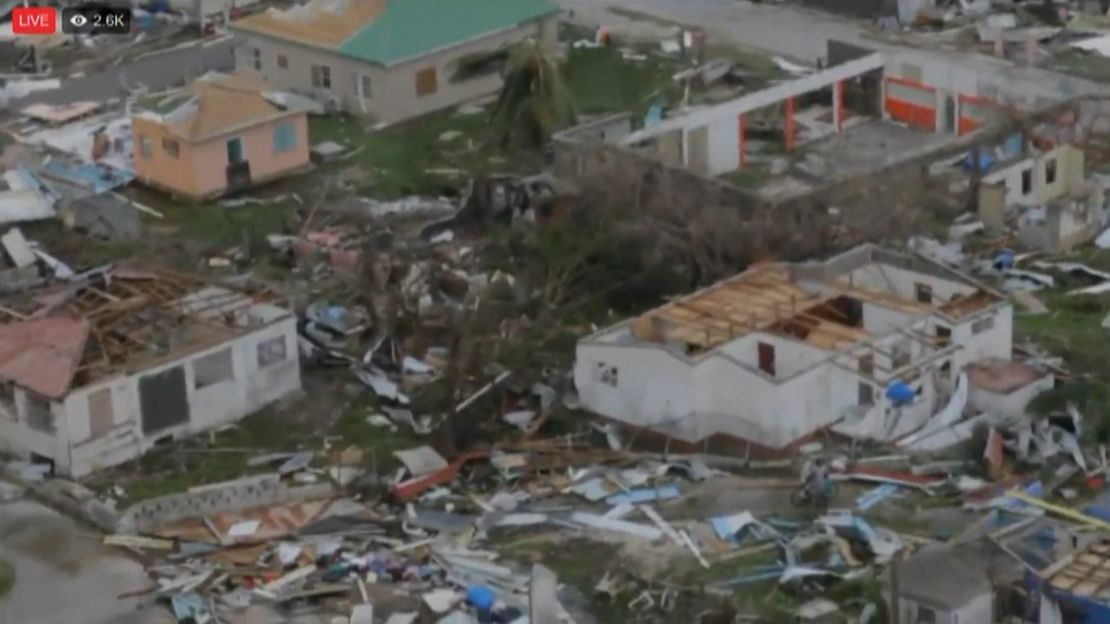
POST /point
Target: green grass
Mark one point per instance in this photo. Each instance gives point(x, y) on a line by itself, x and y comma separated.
point(379, 441)
point(1092, 66)
point(750, 176)
point(203, 460)
point(223, 456)
point(1072, 329)
point(602, 81)
point(403, 159)
point(7, 577)
point(580, 563)
point(411, 158)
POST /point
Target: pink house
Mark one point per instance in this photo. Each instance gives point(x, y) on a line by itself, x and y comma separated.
point(223, 133)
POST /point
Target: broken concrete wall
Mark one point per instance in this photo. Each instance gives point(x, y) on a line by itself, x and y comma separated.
point(18, 280)
point(992, 207)
point(229, 496)
point(846, 210)
point(1066, 223)
point(1028, 88)
point(576, 159)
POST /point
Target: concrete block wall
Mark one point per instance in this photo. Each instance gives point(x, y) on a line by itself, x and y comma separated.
point(228, 496)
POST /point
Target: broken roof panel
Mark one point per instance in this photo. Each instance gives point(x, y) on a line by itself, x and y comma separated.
point(959, 582)
point(139, 318)
point(811, 302)
point(216, 103)
point(1003, 376)
point(61, 113)
point(43, 354)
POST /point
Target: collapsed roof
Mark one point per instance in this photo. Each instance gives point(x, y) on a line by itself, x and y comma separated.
point(216, 103)
point(116, 321)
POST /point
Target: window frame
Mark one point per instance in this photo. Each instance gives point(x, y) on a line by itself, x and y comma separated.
point(424, 85)
point(146, 148)
point(208, 383)
point(267, 348)
point(321, 76)
point(284, 130)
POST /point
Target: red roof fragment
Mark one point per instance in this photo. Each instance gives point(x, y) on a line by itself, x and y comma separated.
point(42, 354)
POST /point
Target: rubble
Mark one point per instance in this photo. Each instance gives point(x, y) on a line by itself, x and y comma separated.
point(463, 435)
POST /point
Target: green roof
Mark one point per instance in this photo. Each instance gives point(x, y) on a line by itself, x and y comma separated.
point(410, 28)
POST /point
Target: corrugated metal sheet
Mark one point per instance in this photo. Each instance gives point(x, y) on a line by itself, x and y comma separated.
point(43, 354)
point(274, 522)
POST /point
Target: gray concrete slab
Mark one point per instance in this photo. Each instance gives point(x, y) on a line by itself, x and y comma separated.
point(63, 574)
point(159, 71)
point(865, 147)
point(801, 35)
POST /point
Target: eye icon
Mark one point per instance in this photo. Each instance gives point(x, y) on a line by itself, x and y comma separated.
point(78, 20)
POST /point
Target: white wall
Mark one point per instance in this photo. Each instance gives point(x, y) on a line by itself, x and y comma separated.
point(1010, 178)
point(1040, 190)
point(1001, 81)
point(996, 342)
point(715, 394)
point(899, 281)
point(879, 319)
point(981, 609)
point(791, 356)
point(724, 145)
point(724, 392)
point(19, 439)
point(250, 389)
point(653, 385)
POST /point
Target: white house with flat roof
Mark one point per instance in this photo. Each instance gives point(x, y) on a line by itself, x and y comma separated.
point(777, 353)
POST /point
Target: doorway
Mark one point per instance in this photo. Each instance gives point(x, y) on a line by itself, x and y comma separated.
point(163, 400)
point(234, 151)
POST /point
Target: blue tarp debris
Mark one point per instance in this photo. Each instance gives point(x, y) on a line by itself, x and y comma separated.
point(189, 608)
point(481, 597)
point(94, 178)
point(1004, 260)
point(986, 159)
point(643, 495)
point(738, 527)
point(900, 393)
point(1099, 507)
point(757, 574)
point(873, 497)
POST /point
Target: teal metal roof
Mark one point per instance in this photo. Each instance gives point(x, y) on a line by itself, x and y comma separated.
point(410, 28)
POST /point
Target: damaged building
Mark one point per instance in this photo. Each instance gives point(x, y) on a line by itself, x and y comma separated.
point(866, 343)
point(115, 362)
point(1056, 208)
point(225, 133)
point(380, 59)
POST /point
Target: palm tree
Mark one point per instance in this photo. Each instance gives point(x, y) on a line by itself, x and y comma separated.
point(534, 101)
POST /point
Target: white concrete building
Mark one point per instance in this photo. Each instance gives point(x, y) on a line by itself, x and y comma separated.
point(773, 355)
point(100, 373)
